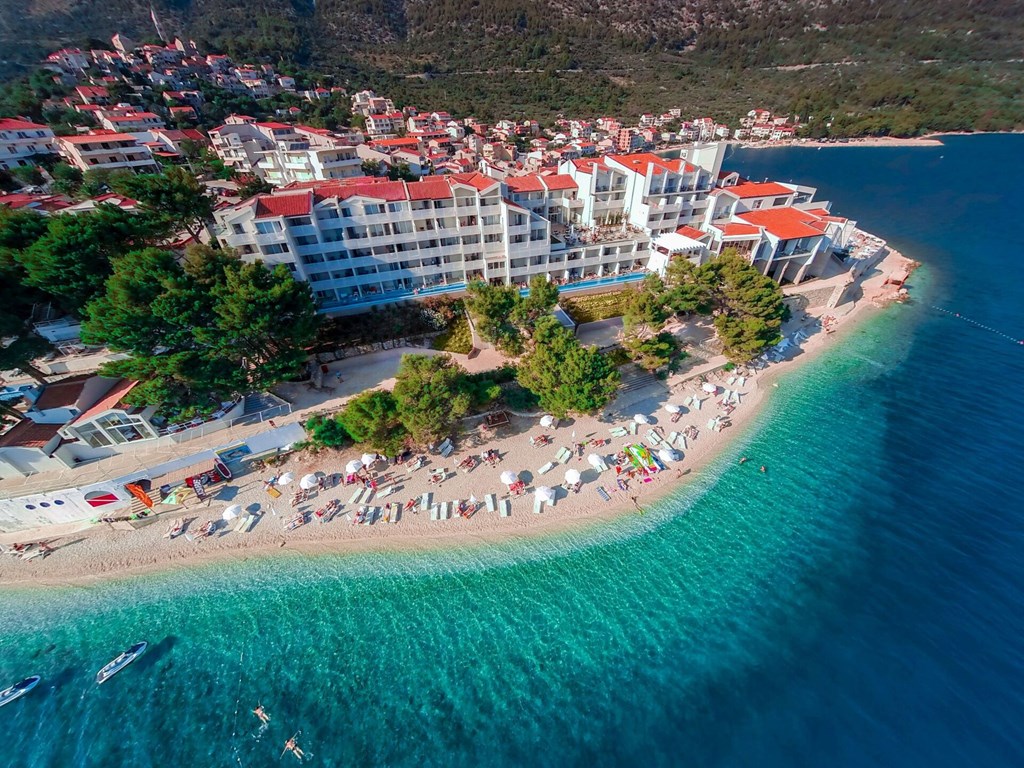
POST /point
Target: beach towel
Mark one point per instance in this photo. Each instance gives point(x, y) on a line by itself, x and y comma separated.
point(273, 492)
point(490, 500)
point(546, 468)
point(505, 508)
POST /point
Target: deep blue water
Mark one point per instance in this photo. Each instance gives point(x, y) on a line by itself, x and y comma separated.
point(859, 605)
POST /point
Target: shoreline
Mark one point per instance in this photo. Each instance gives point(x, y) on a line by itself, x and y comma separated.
point(927, 140)
point(100, 554)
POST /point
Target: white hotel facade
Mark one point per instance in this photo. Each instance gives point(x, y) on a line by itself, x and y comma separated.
point(362, 242)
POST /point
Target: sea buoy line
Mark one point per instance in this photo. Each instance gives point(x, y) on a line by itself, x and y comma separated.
point(975, 323)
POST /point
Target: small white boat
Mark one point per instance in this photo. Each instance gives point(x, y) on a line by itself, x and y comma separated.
point(16, 691)
point(122, 661)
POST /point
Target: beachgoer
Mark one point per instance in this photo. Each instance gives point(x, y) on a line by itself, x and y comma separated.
point(292, 747)
point(743, 460)
point(261, 713)
point(764, 468)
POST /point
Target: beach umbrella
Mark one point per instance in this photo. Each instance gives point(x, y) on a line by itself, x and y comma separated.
point(572, 476)
point(286, 478)
point(547, 421)
point(545, 494)
point(353, 466)
point(641, 419)
point(595, 461)
point(667, 454)
point(508, 477)
point(309, 482)
point(232, 512)
point(369, 460)
point(672, 408)
point(709, 388)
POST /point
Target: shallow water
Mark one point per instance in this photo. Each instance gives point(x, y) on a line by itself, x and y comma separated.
point(858, 604)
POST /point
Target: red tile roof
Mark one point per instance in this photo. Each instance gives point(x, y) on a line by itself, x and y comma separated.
point(784, 223)
point(96, 137)
point(639, 162)
point(735, 229)
point(395, 143)
point(691, 232)
point(587, 164)
point(388, 191)
point(479, 181)
point(28, 434)
point(275, 126)
point(62, 394)
point(747, 189)
point(529, 183)
point(109, 400)
point(12, 124)
point(559, 181)
point(268, 206)
point(430, 189)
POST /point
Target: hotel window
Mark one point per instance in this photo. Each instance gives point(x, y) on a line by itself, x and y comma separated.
point(371, 209)
point(395, 207)
point(327, 213)
point(268, 227)
point(299, 221)
point(492, 238)
point(274, 248)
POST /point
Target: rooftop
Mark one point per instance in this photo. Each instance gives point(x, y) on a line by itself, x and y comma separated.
point(28, 434)
point(63, 393)
point(747, 189)
point(109, 400)
point(784, 223)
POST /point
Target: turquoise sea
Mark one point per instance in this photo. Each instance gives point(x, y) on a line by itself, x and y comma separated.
point(858, 605)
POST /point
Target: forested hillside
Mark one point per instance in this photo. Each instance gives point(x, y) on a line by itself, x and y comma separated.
point(867, 65)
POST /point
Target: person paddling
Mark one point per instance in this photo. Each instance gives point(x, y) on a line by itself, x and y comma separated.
point(292, 746)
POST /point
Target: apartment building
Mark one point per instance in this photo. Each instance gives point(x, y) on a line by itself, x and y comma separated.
point(384, 125)
point(649, 192)
point(368, 103)
point(127, 121)
point(20, 141)
point(108, 150)
point(284, 154)
point(363, 242)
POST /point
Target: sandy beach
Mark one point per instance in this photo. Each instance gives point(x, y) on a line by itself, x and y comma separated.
point(931, 140)
point(100, 551)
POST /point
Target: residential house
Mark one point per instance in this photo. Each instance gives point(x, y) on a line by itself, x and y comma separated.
point(108, 150)
point(22, 141)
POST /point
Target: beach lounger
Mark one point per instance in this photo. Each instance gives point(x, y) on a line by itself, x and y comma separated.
point(633, 428)
point(505, 508)
point(654, 437)
point(447, 451)
point(385, 491)
point(242, 522)
point(680, 441)
point(618, 431)
point(554, 499)
point(252, 521)
point(490, 500)
point(537, 505)
point(395, 512)
point(672, 437)
point(741, 381)
point(425, 503)
point(354, 498)
point(446, 510)
point(603, 493)
point(367, 494)
point(546, 468)
point(445, 445)
point(434, 512)
point(602, 467)
point(731, 380)
point(697, 403)
point(563, 455)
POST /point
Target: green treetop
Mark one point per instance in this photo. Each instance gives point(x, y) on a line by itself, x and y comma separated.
point(567, 377)
point(428, 395)
point(372, 418)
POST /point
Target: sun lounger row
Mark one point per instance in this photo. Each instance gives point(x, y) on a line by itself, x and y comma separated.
point(677, 439)
point(546, 468)
point(618, 431)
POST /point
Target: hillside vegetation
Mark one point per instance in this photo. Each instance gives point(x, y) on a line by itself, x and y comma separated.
point(871, 67)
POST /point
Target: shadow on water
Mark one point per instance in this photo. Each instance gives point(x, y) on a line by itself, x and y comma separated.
point(156, 652)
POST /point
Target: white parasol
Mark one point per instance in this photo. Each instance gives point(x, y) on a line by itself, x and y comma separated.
point(595, 461)
point(286, 478)
point(545, 494)
point(308, 482)
point(508, 477)
point(667, 455)
point(353, 466)
point(232, 512)
point(572, 476)
point(672, 408)
point(547, 421)
point(641, 419)
point(709, 388)
point(369, 460)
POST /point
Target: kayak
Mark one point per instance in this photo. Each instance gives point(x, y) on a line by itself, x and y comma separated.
point(16, 691)
point(122, 661)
